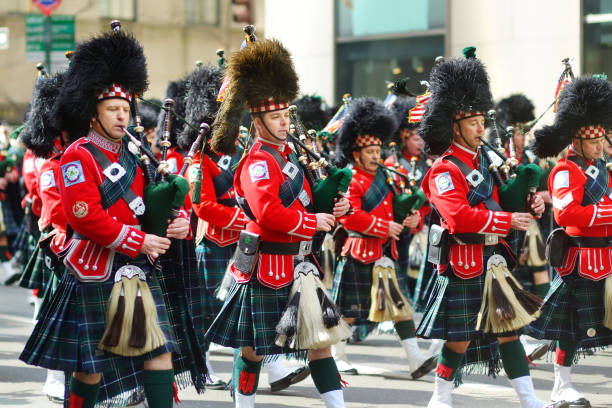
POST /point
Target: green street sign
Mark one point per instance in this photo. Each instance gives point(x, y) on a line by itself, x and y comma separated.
point(61, 36)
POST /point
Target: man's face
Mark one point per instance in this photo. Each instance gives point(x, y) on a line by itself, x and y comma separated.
point(472, 130)
point(608, 147)
point(412, 143)
point(590, 149)
point(277, 123)
point(519, 140)
point(114, 116)
point(367, 158)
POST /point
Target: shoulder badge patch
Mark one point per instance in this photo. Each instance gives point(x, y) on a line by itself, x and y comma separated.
point(444, 182)
point(80, 209)
point(192, 173)
point(28, 165)
point(561, 179)
point(172, 165)
point(47, 180)
point(259, 171)
point(73, 173)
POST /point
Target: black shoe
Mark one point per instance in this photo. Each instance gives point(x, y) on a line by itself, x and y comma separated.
point(538, 352)
point(218, 384)
point(579, 403)
point(426, 367)
point(55, 400)
point(13, 278)
point(293, 378)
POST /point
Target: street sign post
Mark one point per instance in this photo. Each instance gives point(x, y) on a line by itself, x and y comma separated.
point(60, 34)
point(47, 6)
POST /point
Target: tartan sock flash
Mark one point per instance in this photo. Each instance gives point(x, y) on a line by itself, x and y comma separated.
point(158, 387)
point(325, 375)
point(513, 356)
point(405, 329)
point(565, 353)
point(82, 395)
point(448, 363)
point(246, 375)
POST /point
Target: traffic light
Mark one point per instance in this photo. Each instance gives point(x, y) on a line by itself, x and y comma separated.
point(242, 11)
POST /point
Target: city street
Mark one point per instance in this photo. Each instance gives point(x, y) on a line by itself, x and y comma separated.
point(381, 355)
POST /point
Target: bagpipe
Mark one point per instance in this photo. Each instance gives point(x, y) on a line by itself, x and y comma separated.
point(408, 197)
point(328, 182)
point(517, 183)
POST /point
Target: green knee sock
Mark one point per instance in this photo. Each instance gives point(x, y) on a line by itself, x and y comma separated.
point(159, 387)
point(565, 353)
point(541, 290)
point(513, 356)
point(405, 329)
point(325, 375)
point(246, 375)
point(83, 395)
point(448, 363)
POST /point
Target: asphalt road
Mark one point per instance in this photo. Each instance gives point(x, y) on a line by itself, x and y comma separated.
point(387, 386)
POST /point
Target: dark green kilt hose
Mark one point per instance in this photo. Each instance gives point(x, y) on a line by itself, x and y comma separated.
point(451, 314)
point(182, 286)
point(72, 324)
point(352, 287)
point(573, 310)
point(249, 317)
point(212, 263)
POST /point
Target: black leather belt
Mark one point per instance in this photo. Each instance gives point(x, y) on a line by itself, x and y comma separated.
point(472, 238)
point(591, 242)
point(286, 248)
point(354, 234)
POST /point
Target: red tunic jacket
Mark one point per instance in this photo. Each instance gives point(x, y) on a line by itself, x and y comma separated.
point(52, 213)
point(106, 230)
point(258, 179)
point(566, 184)
point(447, 188)
point(220, 223)
point(373, 225)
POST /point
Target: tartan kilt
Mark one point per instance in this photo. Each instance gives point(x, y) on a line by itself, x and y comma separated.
point(212, 262)
point(183, 291)
point(451, 314)
point(35, 273)
point(424, 286)
point(352, 287)
point(71, 326)
point(249, 317)
point(25, 245)
point(572, 307)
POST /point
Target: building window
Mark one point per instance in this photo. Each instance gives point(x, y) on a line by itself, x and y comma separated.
point(120, 9)
point(597, 37)
point(386, 40)
point(359, 18)
point(202, 12)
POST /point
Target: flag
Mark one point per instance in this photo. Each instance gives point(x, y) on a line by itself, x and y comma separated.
point(336, 121)
point(390, 100)
point(563, 80)
point(223, 88)
point(416, 113)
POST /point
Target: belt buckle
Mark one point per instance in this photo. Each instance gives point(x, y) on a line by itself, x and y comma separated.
point(491, 239)
point(305, 247)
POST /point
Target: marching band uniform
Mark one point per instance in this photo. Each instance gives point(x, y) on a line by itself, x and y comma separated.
point(278, 197)
point(462, 191)
point(101, 189)
point(369, 123)
point(577, 309)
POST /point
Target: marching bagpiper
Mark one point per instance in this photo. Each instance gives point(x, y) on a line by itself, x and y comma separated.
point(366, 284)
point(261, 309)
point(476, 303)
point(577, 312)
point(111, 317)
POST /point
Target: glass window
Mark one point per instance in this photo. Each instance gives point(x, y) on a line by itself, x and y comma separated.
point(597, 37)
point(363, 67)
point(202, 12)
point(121, 9)
point(358, 18)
